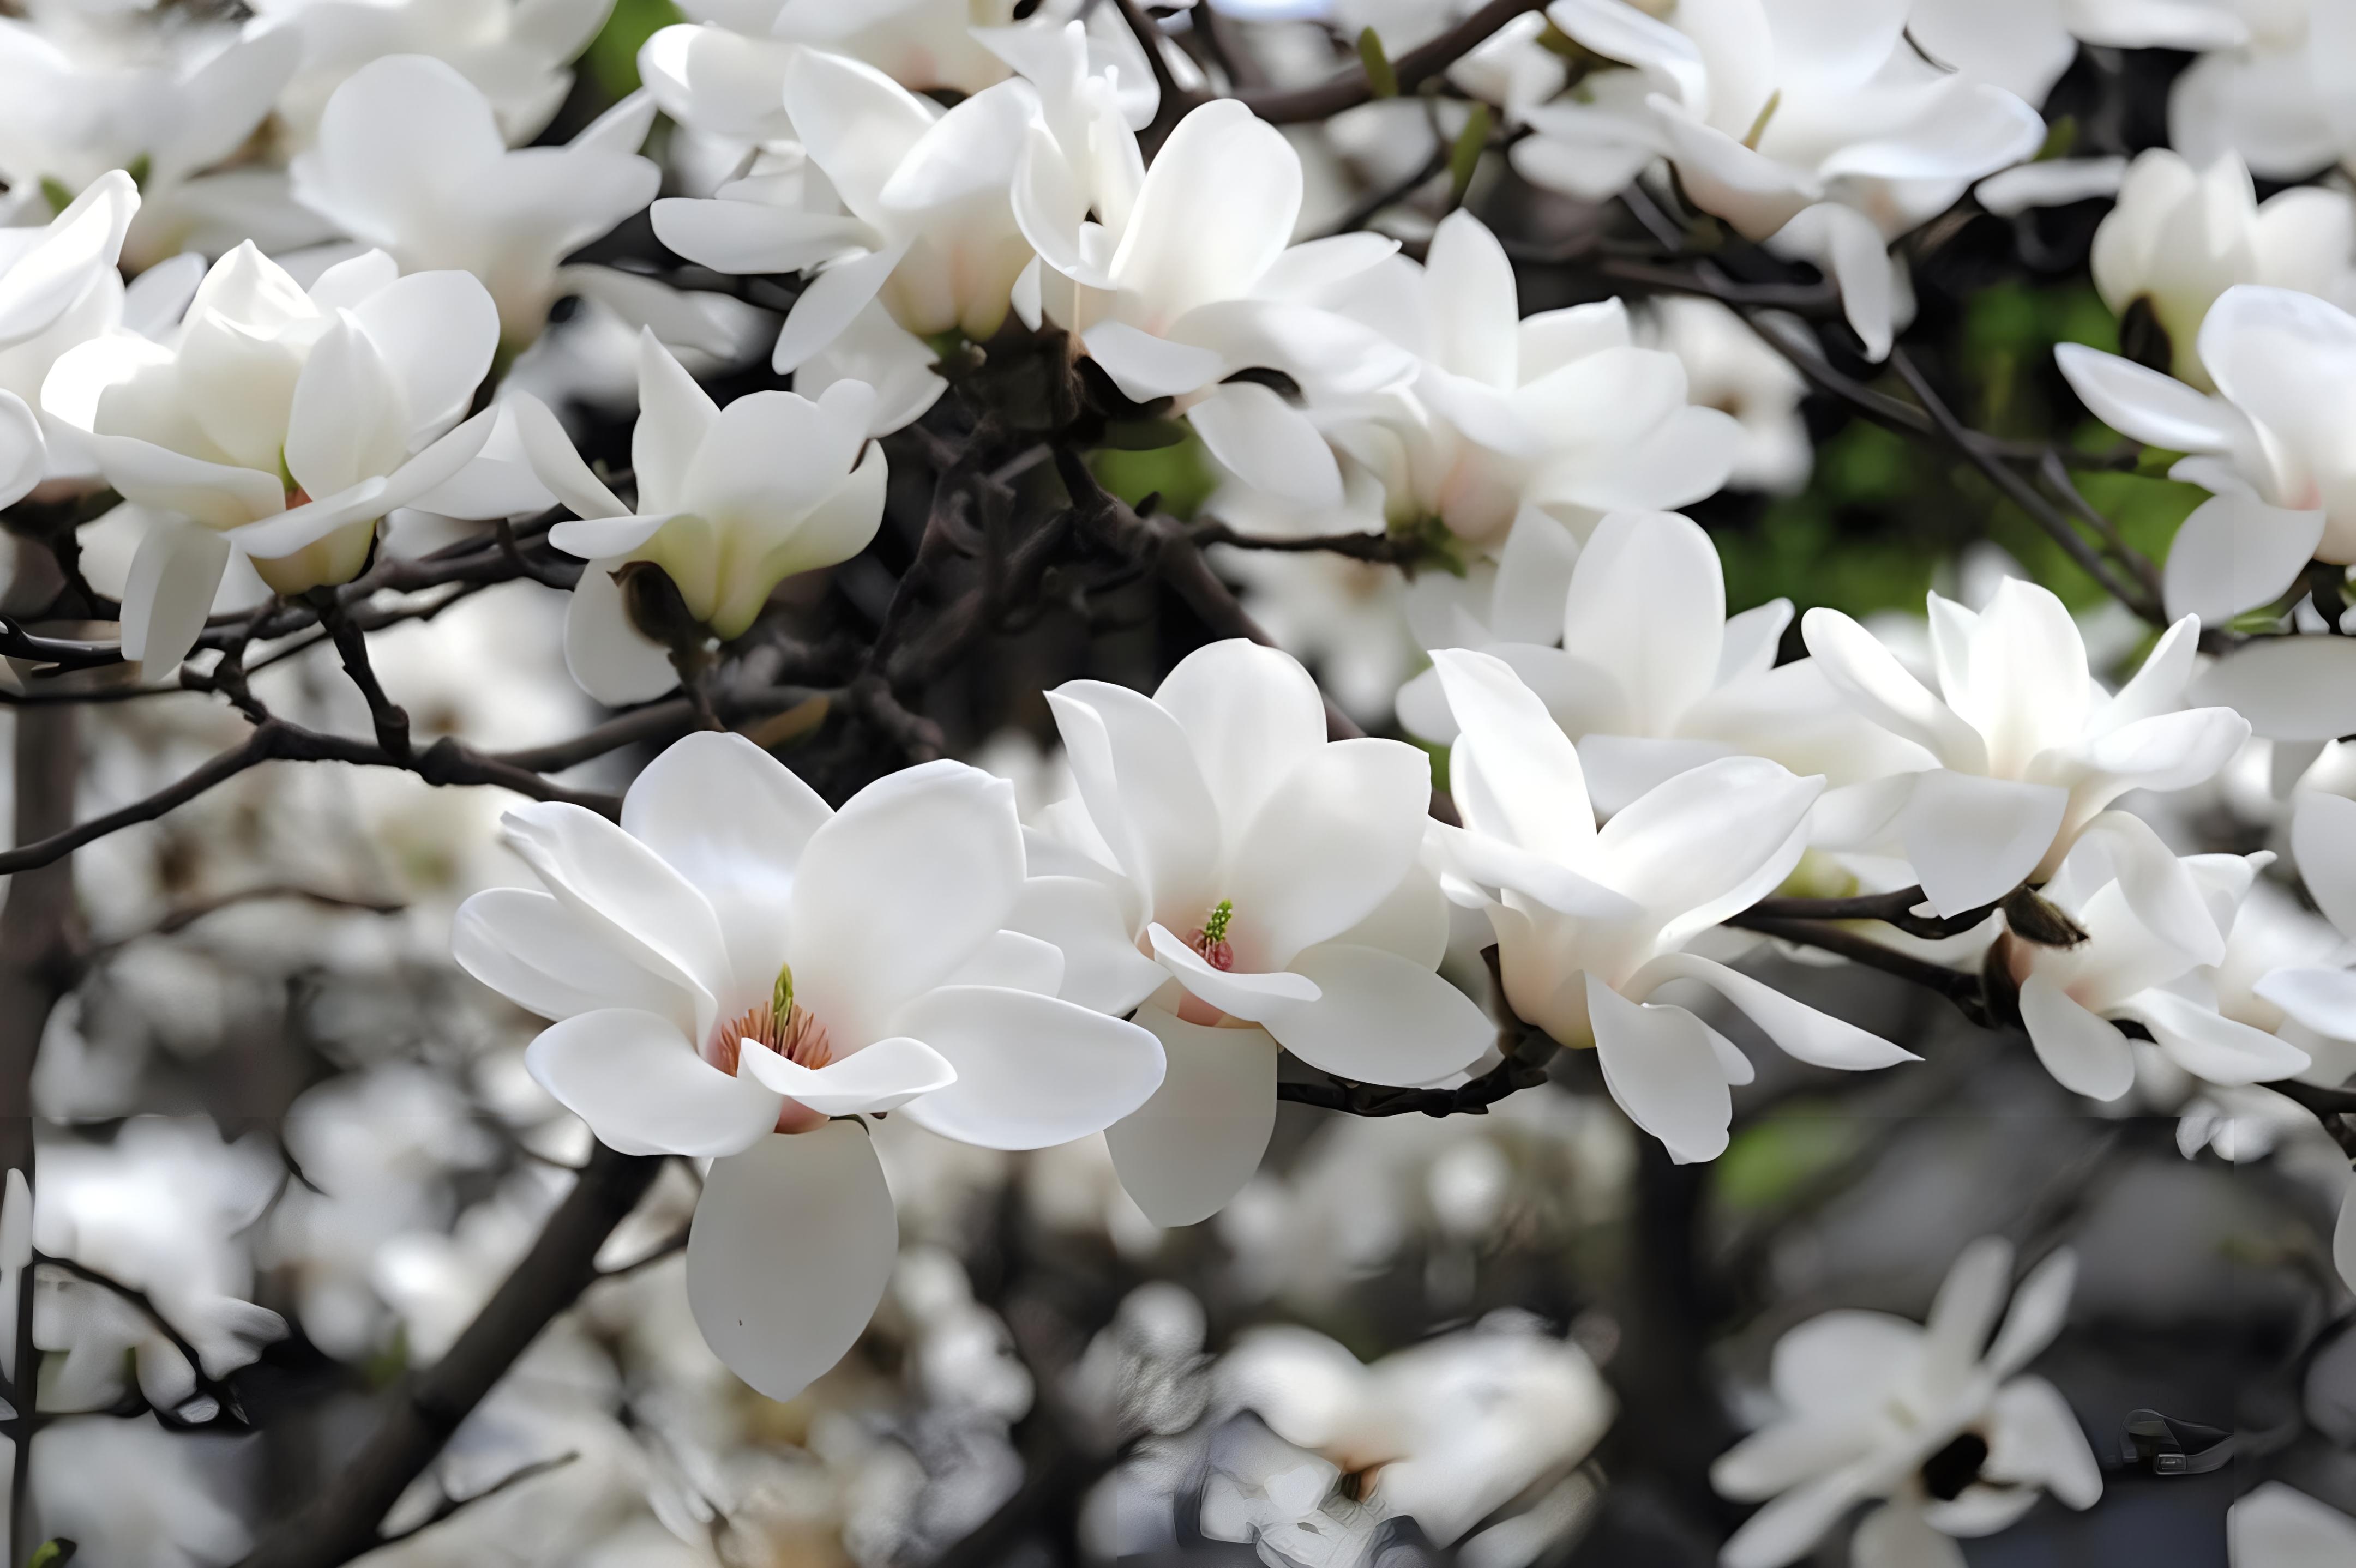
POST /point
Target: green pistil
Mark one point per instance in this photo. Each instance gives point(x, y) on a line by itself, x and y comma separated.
point(1215, 928)
point(781, 994)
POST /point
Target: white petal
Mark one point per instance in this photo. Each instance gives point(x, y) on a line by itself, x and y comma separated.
point(171, 591)
point(1798, 1029)
point(1014, 961)
point(1326, 849)
point(1252, 716)
point(882, 1076)
point(2323, 840)
point(792, 1244)
point(643, 1088)
point(1103, 969)
point(598, 870)
point(1239, 993)
point(1145, 367)
point(1533, 792)
point(2040, 1307)
point(1134, 768)
point(1896, 1535)
point(2235, 553)
point(896, 890)
point(609, 657)
point(1217, 208)
point(2290, 688)
point(1963, 1314)
point(1971, 839)
point(1870, 677)
point(437, 332)
point(1787, 1528)
point(2158, 886)
point(2321, 999)
point(2038, 1441)
point(1191, 1148)
point(2209, 1046)
point(24, 458)
point(1662, 1068)
point(544, 958)
point(1473, 293)
point(1269, 443)
point(738, 236)
point(1381, 1018)
point(1031, 1070)
point(1701, 844)
point(1647, 602)
point(2277, 1525)
point(2086, 1055)
point(556, 463)
point(828, 303)
point(2145, 404)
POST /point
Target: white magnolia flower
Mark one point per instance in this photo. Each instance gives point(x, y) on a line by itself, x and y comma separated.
point(168, 105)
point(515, 51)
point(1652, 677)
point(410, 159)
point(1591, 922)
point(1728, 368)
point(179, 1516)
point(901, 205)
point(2316, 988)
point(1445, 1433)
point(1932, 1421)
point(159, 1210)
point(2276, 1526)
point(1812, 124)
point(1560, 413)
point(2180, 237)
point(2269, 444)
point(1176, 275)
point(923, 45)
point(731, 502)
point(1274, 878)
point(736, 960)
point(276, 424)
point(2026, 750)
point(58, 288)
point(2279, 99)
point(2024, 45)
point(2126, 969)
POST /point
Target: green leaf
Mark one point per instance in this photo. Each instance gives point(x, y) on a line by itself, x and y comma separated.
point(1144, 435)
point(1381, 80)
point(1464, 157)
point(612, 57)
point(1769, 1160)
point(52, 1553)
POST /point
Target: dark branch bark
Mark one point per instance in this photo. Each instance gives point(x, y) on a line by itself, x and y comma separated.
point(1417, 66)
point(342, 1521)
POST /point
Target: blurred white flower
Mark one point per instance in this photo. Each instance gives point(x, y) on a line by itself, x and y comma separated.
point(177, 1517)
point(1445, 1432)
point(736, 958)
point(1730, 369)
point(2179, 237)
point(1274, 877)
point(2028, 750)
point(731, 502)
point(2315, 987)
point(410, 159)
point(58, 288)
point(2278, 98)
point(2024, 45)
point(275, 425)
point(1932, 1421)
point(516, 52)
point(2268, 444)
point(1813, 126)
point(2276, 1526)
point(1590, 923)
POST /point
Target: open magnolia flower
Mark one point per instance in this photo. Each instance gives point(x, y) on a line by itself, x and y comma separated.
point(731, 502)
point(2277, 97)
point(277, 423)
point(2026, 750)
point(1653, 677)
point(58, 288)
point(2271, 444)
point(2179, 237)
point(1178, 275)
point(1559, 412)
point(734, 964)
point(1591, 922)
point(2316, 988)
point(1812, 124)
point(1272, 877)
point(2124, 969)
point(409, 158)
point(1929, 1421)
point(908, 208)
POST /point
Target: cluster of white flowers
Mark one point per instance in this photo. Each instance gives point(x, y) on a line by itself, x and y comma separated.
point(305, 315)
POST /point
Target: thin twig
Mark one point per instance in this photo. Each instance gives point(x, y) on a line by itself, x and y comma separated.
point(450, 1505)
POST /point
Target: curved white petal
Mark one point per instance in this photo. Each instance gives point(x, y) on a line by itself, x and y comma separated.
point(643, 1088)
point(1662, 1069)
point(2290, 688)
point(1239, 993)
point(2212, 1047)
point(2087, 1055)
point(1326, 848)
point(1381, 1018)
point(171, 591)
point(1252, 716)
point(1874, 683)
point(1031, 1070)
point(593, 867)
point(610, 658)
point(1269, 443)
point(1798, 1029)
point(543, 957)
point(2235, 553)
point(2323, 840)
point(1192, 1147)
point(1971, 840)
point(880, 1076)
point(1103, 969)
point(792, 1244)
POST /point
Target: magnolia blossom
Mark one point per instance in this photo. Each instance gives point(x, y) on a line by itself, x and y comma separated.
point(2026, 750)
point(167, 105)
point(1590, 921)
point(1812, 124)
point(1272, 878)
point(409, 158)
point(1445, 1433)
point(735, 963)
point(275, 424)
point(2126, 969)
point(731, 502)
point(2278, 98)
point(1730, 369)
point(902, 205)
point(1560, 413)
point(2269, 444)
point(58, 288)
point(1652, 677)
point(2319, 993)
point(1176, 275)
point(515, 51)
point(2179, 237)
point(1929, 1421)
point(2276, 1526)
point(2024, 45)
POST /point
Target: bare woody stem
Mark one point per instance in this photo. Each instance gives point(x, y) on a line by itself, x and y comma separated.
point(344, 1520)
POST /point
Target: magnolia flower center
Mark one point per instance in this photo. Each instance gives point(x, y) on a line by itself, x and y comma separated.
point(1210, 939)
point(782, 1024)
point(1952, 1468)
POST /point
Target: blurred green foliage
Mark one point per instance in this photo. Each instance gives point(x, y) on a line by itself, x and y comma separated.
point(1883, 514)
point(1180, 473)
point(612, 58)
point(1770, 1159)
